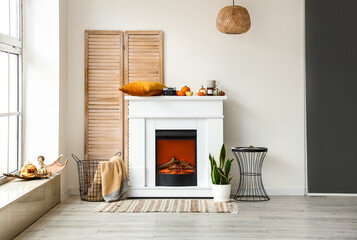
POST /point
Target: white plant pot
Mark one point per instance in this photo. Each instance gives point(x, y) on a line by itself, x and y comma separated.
point(221, 193)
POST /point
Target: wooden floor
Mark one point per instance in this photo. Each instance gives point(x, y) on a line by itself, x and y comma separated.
point(279, 218)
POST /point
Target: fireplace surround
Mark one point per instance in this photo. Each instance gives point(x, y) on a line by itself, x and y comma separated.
point(179, 125)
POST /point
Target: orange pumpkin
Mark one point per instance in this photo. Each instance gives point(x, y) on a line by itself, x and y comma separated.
point(202, 89)
point(200, 94)
point(185, 89)
point(28, 170)
point(180, 93)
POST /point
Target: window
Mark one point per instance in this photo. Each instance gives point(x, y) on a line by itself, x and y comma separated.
point(10, 85)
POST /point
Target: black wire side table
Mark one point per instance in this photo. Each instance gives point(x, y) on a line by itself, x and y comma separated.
point(250, 161)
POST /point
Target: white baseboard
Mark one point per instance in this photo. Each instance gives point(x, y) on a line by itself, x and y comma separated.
point(285, 191)
point(278, 191)
point(64, 194)
point(332, 194)
point(74, 191)
point(270, 192)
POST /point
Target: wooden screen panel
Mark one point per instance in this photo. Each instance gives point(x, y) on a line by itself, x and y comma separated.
point(104, 111)
point(143, 62)
point(143, 56)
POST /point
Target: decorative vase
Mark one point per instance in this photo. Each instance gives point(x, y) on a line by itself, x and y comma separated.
point(221, 193)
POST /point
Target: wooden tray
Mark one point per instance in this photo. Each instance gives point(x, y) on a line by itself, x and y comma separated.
point(27, 178)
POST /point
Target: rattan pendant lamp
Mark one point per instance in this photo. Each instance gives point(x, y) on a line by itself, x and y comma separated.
point(233, 20)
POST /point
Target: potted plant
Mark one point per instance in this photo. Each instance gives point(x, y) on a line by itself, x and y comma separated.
point(221, 180)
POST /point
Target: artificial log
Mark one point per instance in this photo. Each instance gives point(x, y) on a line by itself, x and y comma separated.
point(166, 165)
point(180, 167)
point(187, 165)
point(175, 165)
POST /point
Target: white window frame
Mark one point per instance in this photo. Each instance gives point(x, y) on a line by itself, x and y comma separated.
point(12, 45)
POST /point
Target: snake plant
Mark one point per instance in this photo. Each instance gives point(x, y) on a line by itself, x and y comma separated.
point(220, 174)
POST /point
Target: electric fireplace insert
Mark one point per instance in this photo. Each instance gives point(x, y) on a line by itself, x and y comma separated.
point(176, 158)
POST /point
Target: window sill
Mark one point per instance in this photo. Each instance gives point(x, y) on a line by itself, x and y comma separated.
point(4, 179)
point(14, 189)
point(23, 202)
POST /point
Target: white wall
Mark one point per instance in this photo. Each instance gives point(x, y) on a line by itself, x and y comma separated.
point(262, 72)
point(45, 81)
point(41, 79)
point(63, 74)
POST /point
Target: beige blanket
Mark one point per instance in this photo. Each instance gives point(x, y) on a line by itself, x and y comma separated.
point(114, 179)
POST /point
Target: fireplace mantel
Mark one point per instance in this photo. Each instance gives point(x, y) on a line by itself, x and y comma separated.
point(148, 114)
point(176, 98)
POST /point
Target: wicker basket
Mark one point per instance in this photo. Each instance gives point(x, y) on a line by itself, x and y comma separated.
point(233, 20)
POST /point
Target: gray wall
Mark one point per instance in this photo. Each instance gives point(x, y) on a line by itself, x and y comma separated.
point(331, 83)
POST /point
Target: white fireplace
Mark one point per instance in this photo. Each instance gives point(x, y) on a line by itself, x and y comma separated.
point(150, 115)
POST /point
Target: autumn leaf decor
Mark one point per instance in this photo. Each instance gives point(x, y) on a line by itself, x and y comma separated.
point(220, 174)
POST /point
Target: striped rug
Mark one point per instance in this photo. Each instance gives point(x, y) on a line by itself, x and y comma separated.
point(169, 206)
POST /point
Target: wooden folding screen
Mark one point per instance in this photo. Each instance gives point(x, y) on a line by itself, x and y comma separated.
point(106, 126)
point(103, 102)
point(143, 62)
point(143, 56)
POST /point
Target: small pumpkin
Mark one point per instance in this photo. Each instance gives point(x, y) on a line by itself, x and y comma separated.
point(217, 92)
point(28, 170)
point(189, 93)
point(180, 93)
point(200, 94)
point(185, 89)
point(203, 90)
point(42, 171)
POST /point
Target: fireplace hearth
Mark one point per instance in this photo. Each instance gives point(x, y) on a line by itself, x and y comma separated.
point(170, 138)
point(176, 158)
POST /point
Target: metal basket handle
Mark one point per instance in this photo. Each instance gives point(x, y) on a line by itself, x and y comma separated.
point(76, 158)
